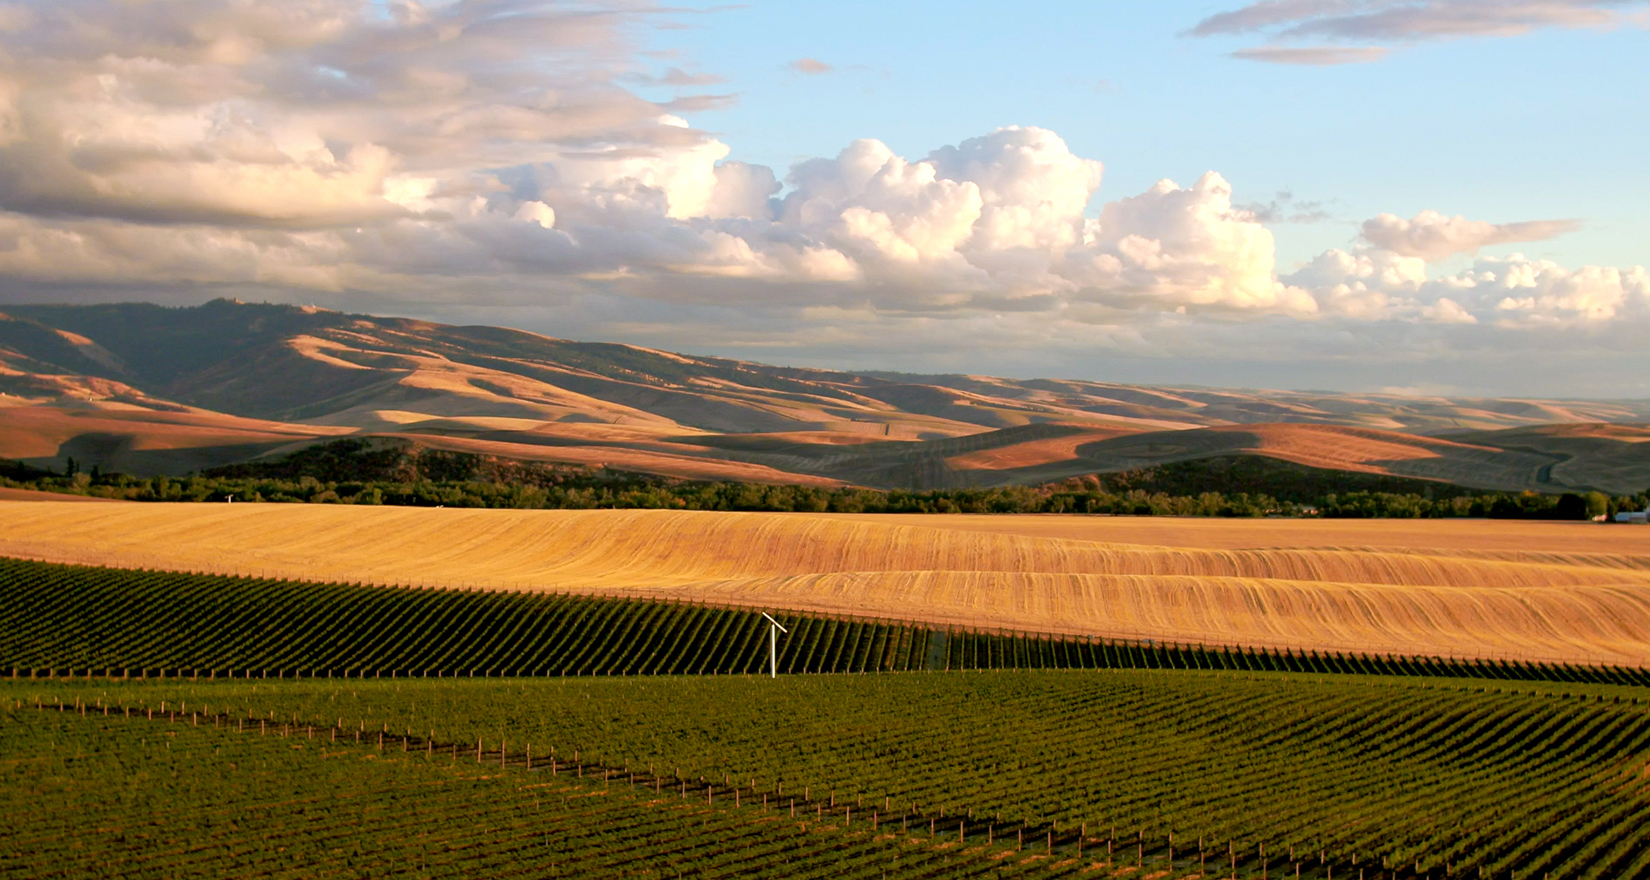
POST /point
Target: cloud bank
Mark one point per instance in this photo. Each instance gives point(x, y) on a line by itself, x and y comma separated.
point(483, 156)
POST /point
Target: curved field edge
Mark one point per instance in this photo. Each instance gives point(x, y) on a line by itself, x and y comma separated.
point(60, 619)
point(1552, 607)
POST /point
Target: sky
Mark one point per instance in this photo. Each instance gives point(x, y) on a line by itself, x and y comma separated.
point(1414, 196)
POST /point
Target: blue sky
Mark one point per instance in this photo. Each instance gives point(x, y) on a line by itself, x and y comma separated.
point(1461, 207)
point(1553, 123)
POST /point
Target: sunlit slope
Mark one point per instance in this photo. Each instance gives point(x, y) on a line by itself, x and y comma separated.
point(129, 438)
point(1331, 447)
point(228, 382)
point(1566, 606)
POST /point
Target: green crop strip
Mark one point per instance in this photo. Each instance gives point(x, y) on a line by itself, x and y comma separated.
point(61, 619)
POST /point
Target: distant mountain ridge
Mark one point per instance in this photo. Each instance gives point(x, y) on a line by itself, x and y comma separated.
point(149, 389)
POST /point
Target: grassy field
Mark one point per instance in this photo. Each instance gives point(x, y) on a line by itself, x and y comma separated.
point(1406, 778)
point(1562, 599)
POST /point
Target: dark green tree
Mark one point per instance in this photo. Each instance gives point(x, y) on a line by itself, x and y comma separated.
point(1571, 506)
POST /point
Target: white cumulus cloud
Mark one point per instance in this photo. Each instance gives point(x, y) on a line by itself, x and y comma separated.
point(1377, 283)
point(1542, 293)
point(476, 154)
point(1187, 246)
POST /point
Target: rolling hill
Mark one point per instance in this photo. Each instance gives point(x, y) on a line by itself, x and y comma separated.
point(1570, 592)
point(151, 390)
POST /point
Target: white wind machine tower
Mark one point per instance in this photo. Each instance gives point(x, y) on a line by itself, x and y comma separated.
point(773, 644)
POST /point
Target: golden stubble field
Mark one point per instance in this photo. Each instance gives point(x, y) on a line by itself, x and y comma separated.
point(1550, 591)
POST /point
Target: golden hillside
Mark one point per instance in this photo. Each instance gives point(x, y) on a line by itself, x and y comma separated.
point(149, 390)
point(1566, 596)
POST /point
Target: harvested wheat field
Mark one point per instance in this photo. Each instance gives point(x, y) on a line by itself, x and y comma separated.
point(1510, 539)
point(1567, 596)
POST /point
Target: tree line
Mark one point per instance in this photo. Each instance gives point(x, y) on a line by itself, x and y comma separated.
point(399, 473)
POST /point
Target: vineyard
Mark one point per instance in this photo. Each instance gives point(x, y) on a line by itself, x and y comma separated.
point(1160, 771)
point(60, 619)
point(165, 724)
point(112, 796)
